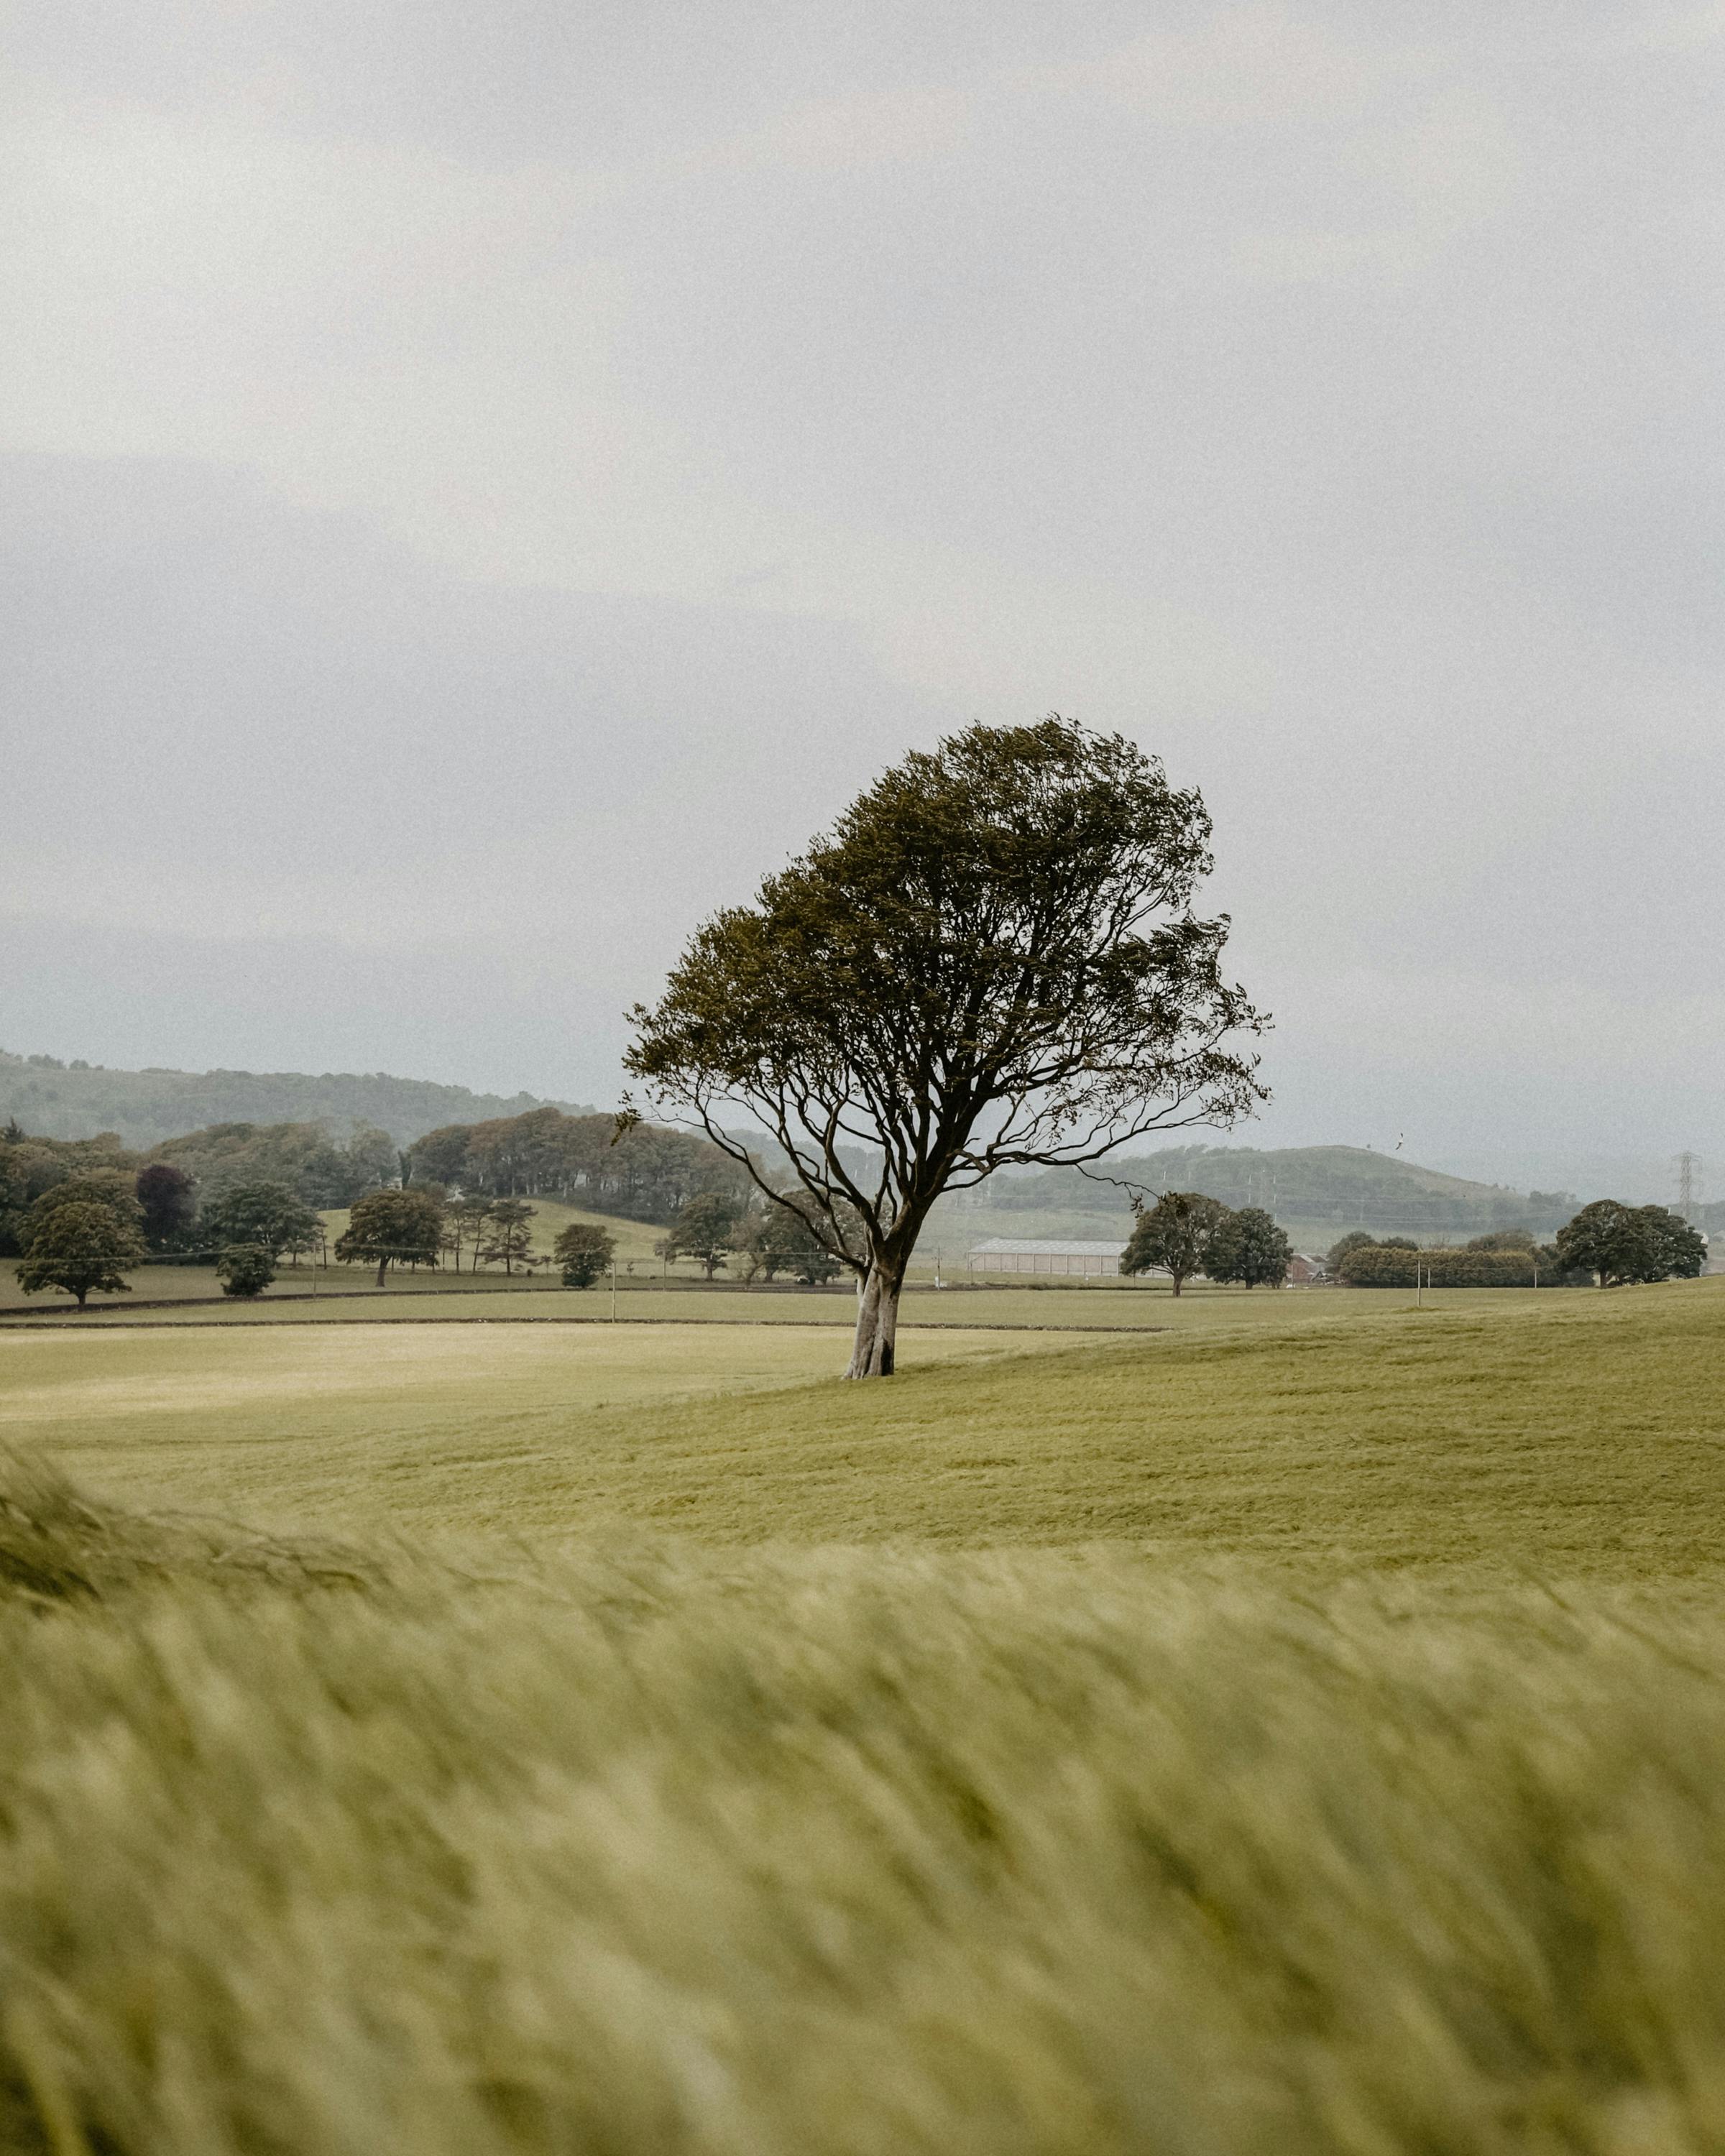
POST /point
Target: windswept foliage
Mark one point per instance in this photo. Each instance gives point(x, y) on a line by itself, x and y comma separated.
point(1014, 1853)
point(991, 961)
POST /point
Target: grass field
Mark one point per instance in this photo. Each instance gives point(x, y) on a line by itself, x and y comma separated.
point(1302, 1734)
point(1575, 1431)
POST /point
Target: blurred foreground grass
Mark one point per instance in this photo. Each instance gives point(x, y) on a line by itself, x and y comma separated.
point(1304, 1738)
point(647, 1848)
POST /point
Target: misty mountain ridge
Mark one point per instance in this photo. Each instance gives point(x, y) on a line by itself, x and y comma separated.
point(77, 1099)
point(1336, 1186)
point(1315, 1187)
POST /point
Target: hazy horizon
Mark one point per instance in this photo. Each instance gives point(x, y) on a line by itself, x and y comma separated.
point(476, 493)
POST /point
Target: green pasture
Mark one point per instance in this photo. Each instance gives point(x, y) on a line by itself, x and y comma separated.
point(1576, 1430)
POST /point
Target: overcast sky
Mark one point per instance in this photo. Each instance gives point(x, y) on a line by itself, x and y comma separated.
point(484, 484)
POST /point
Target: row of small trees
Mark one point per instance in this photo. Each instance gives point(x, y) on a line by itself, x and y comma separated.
point(88, 1232)
point(84, 1234)
point(1608, 1242)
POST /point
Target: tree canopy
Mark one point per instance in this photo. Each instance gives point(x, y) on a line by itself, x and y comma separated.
point(1623, 1243)
point(991, 960)
point(706, 1231)
point(506, 1238)
point(1174, 1235)
point(642, 1172)
point(1248, 1249)
point(263, 1212)
point(77, 1245)
point(390, 1227)
point(781, 1238)
point(167, 1197)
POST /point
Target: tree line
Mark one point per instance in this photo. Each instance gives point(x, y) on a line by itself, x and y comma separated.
point(1607, 1242)
point(317, 1169)
point(146, 1107)
point(85, 1232)
point(640, 1171)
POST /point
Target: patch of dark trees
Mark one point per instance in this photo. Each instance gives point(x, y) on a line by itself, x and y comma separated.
point(647, 1173)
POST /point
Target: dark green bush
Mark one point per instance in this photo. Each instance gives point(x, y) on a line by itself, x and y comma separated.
point(245, 1268)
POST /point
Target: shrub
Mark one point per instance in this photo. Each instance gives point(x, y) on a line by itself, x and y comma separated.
point(245, 1268)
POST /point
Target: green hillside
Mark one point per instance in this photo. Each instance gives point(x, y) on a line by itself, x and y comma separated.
point(76, 1100)
point(1316, 1192)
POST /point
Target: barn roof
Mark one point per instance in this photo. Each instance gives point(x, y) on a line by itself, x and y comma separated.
point(1002, 1246)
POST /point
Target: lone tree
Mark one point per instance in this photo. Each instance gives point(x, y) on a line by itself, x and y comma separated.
point(705, 1230)
point(990, 962)
point(583, 1252)
point(390, 1225)
point(1175, 1235)
point(78, 1245)
point(1621, 1244)
point(1250, 1250)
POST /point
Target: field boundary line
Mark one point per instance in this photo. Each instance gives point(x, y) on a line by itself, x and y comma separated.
point(44, 1324)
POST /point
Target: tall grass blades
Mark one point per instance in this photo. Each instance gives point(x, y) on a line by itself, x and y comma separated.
point(652, 1849)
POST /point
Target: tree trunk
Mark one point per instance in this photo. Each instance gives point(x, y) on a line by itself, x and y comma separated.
point(81, 1292)
point(877, 1324)
point(1177, 1278)
point(383, 1267)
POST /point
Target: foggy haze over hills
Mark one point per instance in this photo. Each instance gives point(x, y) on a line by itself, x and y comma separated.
point(477, 492)
point(49, 1098)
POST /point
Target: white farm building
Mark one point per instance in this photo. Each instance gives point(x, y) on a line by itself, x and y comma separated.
point(1001, 1254)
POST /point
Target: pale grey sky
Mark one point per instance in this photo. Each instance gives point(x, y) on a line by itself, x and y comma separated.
point(481, 484)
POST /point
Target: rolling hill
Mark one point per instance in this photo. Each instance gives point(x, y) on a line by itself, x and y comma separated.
point(1317, 1192)
point(56, 1100)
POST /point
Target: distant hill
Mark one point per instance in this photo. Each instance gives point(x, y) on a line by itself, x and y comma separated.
point(58, 1100)
point(1316, 1192)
